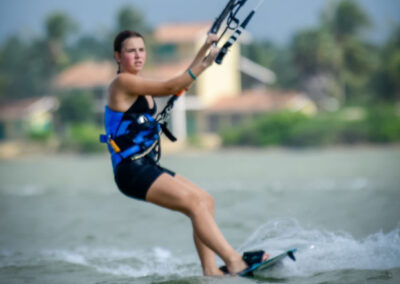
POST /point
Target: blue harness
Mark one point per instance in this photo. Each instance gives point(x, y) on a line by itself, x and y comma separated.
point(129, 135)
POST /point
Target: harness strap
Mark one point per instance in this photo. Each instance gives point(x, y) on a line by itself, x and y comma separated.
point(167, 132)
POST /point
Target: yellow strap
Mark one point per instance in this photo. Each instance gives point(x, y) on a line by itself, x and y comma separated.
point(114, 145)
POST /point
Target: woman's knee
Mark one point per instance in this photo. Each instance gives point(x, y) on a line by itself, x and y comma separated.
point(210, 202)
point(201, 202)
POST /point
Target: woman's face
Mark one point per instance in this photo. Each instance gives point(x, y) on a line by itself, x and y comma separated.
point(132, 56)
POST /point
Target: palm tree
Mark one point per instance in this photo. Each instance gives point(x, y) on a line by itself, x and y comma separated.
point(58, 27)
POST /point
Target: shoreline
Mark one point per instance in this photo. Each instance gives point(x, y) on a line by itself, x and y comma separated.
point(13, 150)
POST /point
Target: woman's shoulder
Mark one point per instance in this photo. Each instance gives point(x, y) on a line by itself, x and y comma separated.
point(121, 81)
point(125, 81)
point(119, 91)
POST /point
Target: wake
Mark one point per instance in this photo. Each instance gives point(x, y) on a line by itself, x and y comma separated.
point(324, 251)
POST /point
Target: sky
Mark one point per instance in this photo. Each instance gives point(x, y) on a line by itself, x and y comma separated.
point(276, 20)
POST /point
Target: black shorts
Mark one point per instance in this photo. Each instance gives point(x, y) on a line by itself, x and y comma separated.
point(134, 177)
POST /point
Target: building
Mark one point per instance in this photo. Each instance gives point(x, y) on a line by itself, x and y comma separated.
point(88, 75)
point(27, 117)
point(231, 112)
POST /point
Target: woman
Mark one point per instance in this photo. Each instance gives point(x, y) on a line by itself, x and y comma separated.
point(130, 102)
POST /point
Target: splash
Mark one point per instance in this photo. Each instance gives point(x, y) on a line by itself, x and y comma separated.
point(318, 252)
point(131, 263)
point(323, 251)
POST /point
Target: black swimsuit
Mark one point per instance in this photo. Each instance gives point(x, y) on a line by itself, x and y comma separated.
point(134, 177)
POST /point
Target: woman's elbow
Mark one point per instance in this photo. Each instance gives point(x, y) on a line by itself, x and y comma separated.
point(172, 88)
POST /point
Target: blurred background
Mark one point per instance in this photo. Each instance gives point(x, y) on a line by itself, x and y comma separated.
point(296, 136)
point(311, 74)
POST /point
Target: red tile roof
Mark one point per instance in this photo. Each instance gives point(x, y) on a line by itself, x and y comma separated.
point(167, 70)
point(253, 101)
point(87, 74)
point(180, 33)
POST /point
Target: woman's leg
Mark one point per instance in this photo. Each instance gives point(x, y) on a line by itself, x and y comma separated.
point(207, 258)
point(171, 193)
point(206, 255)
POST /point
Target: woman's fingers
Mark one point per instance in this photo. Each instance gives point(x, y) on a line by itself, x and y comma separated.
point(211, 38)
point(212, 55)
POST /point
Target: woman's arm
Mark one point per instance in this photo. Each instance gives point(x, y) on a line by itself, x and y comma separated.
point(136, 85)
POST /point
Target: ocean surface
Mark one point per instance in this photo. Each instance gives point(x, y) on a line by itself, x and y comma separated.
point(62, 219)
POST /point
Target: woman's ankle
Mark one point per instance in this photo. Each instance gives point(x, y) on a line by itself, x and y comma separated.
point(235, 264)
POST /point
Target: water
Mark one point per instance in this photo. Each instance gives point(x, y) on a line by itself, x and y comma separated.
point(62, 219)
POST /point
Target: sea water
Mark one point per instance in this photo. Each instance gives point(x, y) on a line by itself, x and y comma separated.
point(62, 219)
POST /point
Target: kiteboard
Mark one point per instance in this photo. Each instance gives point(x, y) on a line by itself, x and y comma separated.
point(270, 262)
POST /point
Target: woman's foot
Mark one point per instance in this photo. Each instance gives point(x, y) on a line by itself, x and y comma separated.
point(213, 272)
point(238, 264)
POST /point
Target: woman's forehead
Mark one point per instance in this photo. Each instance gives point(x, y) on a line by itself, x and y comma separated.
point(133, 42)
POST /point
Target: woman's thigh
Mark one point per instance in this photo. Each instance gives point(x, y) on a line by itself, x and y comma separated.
point(204, 195)
point(176, 193)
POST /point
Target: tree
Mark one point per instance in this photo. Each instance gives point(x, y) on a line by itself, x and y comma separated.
point(24, 68)
point(315, 51)
point(386, 80)
point(89, 47)
point(76, 107)
point(346, 19)
point(333, 60)
point(130, 18)
point(393, 59)
point(317, 59)
point(58, 27)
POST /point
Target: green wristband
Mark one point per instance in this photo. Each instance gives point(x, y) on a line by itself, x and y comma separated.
point(191, 74)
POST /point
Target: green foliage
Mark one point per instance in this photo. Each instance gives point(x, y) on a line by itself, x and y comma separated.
point(278, 59)
point(332, 59)
point(59, 26)
point(25, 68)
point(383, 124)
point(336, 50)
point(348, 19)
point(76, 107)
point(315, 51)
point(76, 113)
point(89, 47)
point(269, 129)
point(394, 66)
point(84, 138)
point(317, 131)
point(385, 81)
point(41, 136)
point(380, 124)
point(131, 19)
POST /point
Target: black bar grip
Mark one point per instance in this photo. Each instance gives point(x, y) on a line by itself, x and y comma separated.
point(221, 54)
point(218, 21)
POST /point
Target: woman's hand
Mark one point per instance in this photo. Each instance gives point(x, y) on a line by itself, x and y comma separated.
point(201, 54)
point(211, 39)
point(210, 58)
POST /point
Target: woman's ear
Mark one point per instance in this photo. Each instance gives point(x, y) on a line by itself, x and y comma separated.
point(117, 57)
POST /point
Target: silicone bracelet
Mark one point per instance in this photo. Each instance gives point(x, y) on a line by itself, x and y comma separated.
point(191, 74)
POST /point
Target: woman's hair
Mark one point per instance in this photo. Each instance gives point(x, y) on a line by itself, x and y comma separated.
point(119, 39)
